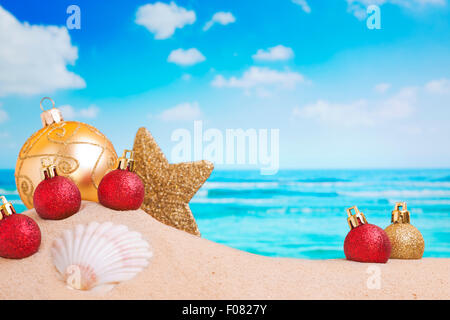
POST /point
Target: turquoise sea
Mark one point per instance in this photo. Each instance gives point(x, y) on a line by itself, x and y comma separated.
point(301, 213)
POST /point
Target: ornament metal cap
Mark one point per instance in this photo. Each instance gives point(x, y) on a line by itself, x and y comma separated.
point(48, 170)
point(50, 116)
point(400, 213)
point(355, 219)
point(126, 163)
point(6, 208)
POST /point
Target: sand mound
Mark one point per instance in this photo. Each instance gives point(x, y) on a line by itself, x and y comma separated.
point(188, 267)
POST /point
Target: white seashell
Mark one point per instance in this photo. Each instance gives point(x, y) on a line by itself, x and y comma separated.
point(98, 256)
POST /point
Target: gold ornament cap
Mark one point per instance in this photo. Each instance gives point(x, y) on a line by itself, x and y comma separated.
point(48, 170)
point(50, 116)
point(356, 219)
point(400, 214)
point(126, 163)
point(6, 208)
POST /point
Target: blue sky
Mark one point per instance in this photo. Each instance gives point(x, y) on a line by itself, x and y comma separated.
point(343, 96)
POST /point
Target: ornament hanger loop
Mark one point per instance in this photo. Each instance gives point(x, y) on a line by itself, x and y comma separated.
point(126, 152)
point(349, 211)
point(48, 170)
point(6, 208)
point(355, 219)
point(127, 163)
point(400, 214)
point(401, 206)
point(50, 116)
point(46, 98)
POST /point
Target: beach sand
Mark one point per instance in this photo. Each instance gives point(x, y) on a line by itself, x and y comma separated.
point(189, 267)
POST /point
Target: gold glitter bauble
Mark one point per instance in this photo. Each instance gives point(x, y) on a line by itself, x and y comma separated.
point(168, 187)
point(407, 242)
point(78, 150)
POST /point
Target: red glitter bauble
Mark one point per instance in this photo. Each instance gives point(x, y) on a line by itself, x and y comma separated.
point(121, 190)
point(57, 198)
point(367, 243)
point(20, 236)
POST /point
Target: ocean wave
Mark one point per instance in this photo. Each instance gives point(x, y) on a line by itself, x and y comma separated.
point(241, 201)
point(362, 184)
point(275, 185)
point(432, 202)
point(445, 179)
point(427, 184)
point(202, 193)
point(240, 185)
point(326, 184)
point(426, 193)
point(321, 180)
point(338, 184)
point(4, 192)
point(337, 247)
point(266, 193)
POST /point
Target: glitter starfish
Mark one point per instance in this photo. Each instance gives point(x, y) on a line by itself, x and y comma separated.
point(168, 187)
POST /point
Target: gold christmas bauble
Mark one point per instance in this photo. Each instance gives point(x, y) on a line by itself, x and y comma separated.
point(79, 151)
point(407, 242)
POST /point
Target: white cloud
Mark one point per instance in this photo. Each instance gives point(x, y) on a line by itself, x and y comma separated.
point(303, 4)
point(182, 112)
point(90, 112)
point(441, 86)
point(187, 57)
point(33, 58)
point(222, 18)
point(360, 113)
point(278, 52)
point(263, 93)
point(399, 106)
point(70, 112)
point(412, 3)
point(335, 114)
point(382, 87)
point(162, 19)
point(358, 7)
point(256, 77)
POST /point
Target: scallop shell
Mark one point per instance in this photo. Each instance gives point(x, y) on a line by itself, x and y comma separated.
point(97, 256)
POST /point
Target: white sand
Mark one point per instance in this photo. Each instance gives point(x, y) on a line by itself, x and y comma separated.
point(188, 267)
